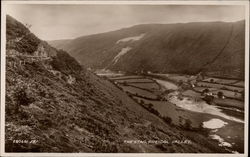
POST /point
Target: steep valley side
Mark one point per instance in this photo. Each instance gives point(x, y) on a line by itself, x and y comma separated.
point(216, 48)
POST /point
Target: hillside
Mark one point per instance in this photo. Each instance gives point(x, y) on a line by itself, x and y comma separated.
point(213, 47)
point(55, 105)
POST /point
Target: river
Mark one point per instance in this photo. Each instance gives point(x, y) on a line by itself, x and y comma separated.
point(228, 130)
point(217, 125)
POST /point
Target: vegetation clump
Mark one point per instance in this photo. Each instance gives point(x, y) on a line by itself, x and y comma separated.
point(22, 98)
point(20, 38)
point(66, 64)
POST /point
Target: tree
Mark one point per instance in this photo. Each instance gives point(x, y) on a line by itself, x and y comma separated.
point(142, 102)
point(28, 25)
point(180, 82)
point(220, 94)
point(209, 99)
point(205, 91)
point(150, 105)
point(22, 98)
point(211, 80)
point(167, 120)
point(188, 124)
point(66, 64)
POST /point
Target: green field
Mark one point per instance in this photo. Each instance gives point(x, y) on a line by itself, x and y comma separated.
point(229, 94)
point(147, 91)
point(230, 103)
point(219, 86)
point(142, 80)
point(191, 93)
point(148, 86)
point(178, 78)
point(175, 77)
point(219, 80)
point(166, 84)
point(240, 83)
point(126, 77)
point(138, 91)
point(178, 115)
point(200, 89)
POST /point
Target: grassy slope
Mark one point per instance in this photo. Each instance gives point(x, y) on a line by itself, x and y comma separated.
point(90, 115)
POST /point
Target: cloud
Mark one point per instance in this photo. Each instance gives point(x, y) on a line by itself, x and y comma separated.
point(70, 21)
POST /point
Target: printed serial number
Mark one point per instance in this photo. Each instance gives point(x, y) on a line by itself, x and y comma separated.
point(25, 141)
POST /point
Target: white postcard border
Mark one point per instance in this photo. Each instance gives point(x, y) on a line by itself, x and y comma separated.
point(3, 62)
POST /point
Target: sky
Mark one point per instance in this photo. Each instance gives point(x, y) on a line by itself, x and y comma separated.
point(67, 21)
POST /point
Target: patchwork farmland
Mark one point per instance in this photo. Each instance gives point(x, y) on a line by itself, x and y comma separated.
point(182, 101)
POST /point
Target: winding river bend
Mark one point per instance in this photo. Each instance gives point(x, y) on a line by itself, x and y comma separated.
point(226, 129)
point(218, 121)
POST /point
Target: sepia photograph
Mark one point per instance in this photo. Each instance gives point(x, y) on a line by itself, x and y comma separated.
point(124, 77)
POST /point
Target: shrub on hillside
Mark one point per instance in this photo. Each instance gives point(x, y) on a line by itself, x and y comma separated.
point(142, 102)
point(27, 43)
point(21, 97)
point(162, 147)
point(64, 63)
point(168, 120)
point(203, 130)
point(150, 105)
point(154, 111)
point(104, 147)
point(187, 125)
point(14, 28)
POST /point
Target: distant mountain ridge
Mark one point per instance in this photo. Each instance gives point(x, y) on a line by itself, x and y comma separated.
point(213, 47)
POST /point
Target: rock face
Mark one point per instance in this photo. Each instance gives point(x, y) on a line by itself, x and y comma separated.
point(56, 105)
point(214, 47)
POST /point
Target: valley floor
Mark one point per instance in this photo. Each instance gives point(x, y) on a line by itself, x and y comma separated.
point(180, 101)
